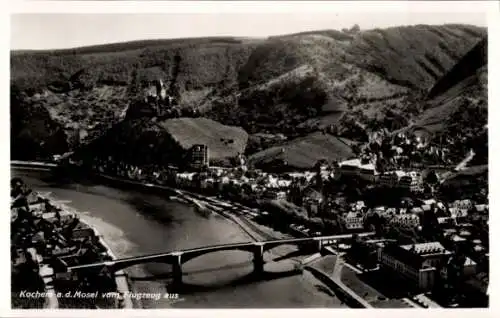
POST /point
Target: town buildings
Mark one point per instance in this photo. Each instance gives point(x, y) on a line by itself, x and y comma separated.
point(406, 220)
point(273, 194)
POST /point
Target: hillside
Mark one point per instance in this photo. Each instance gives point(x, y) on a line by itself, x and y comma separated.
point(466, 183)
point(304, 82)
point(343, 82)
point(89, 88)
point(115, 63)
point(152, 141)
point(304, 152)
point(455, 111)
point(34, 133)
point(466, 67)
point(464, 84)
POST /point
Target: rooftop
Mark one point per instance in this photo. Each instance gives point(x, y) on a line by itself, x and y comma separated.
point(425, 248)
point(353, 215)
point(406, 216)
point(457, 238)
point(357, 163)
point(404, 255)
point(400, 173)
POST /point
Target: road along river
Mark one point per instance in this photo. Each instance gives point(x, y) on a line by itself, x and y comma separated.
point(135, 223)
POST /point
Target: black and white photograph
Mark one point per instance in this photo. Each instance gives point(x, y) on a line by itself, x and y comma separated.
point(264, 160)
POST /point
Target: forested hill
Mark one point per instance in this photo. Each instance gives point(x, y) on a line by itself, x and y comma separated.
point(345, 82)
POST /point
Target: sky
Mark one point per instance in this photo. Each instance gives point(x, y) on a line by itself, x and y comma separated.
point(63, 30)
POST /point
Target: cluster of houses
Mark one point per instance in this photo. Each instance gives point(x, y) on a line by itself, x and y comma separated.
point(430, 264)
point(450, 216)
point(405, 149)
point(411, 180)
point(264, 185)
point(426, 265)
point(47, 238)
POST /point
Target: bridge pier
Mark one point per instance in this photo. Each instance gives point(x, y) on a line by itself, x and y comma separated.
point(258, 258)
point(177, 271)
point(320, 246)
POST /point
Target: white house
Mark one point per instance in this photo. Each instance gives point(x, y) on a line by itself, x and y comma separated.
point(353, 221)
point(457, 212)
point(406, 220)
point(462, 204)
point(354, 167)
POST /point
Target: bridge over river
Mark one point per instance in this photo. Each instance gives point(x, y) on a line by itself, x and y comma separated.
point(177, 258)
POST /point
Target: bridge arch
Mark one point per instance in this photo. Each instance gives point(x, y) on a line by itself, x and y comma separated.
point(114, 266)
point(190, 255)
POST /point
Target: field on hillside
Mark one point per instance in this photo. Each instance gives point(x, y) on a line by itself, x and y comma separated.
point(223, 141)
point(304, 152)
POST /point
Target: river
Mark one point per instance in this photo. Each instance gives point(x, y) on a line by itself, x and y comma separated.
point(134, 223)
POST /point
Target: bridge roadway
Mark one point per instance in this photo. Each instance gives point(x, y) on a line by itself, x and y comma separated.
point(177, 258)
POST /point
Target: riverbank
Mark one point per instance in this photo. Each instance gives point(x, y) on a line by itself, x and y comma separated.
point(234, 212)
point(121, 281)
point(256, 231)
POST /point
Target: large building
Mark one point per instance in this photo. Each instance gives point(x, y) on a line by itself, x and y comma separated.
point(355, 167)
point(417, 263)
point(273, 194)
point(412, 181)
point(391, 179)
point(353, 221)
point(199, 157)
